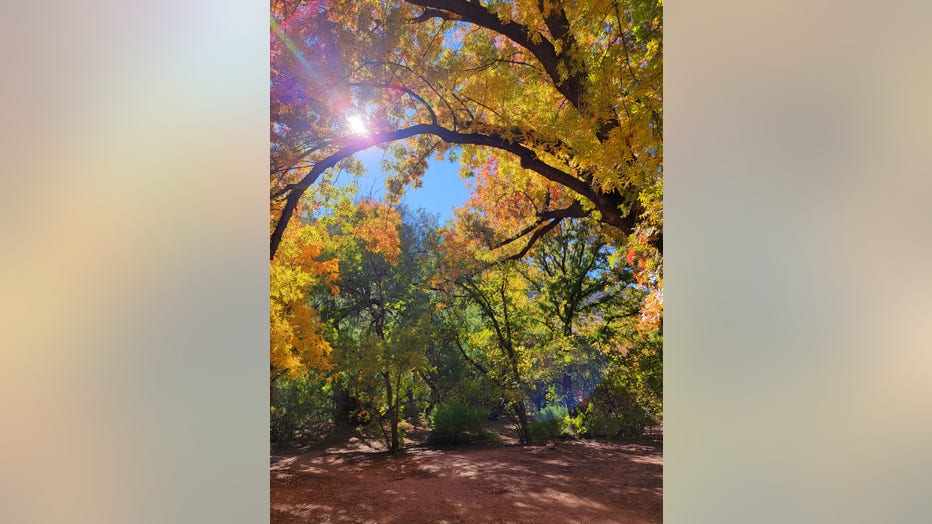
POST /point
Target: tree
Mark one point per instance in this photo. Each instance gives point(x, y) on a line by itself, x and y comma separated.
point(297, 345)
point(564, 92)
point(504, 335)
point(575, 289)
point(382, 312)
point(296, 342)
point(555, 109)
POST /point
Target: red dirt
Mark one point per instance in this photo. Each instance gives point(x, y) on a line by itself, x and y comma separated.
point(570, 481)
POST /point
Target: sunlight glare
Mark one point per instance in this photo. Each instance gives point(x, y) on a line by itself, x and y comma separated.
point(356, 125)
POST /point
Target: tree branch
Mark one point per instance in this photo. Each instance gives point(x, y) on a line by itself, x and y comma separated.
point(282, 191)
point(536, 235)
point(418, 76)
point(479, 367)
point(574, 210)
point(536, 43)
point(563, 68)
point(607, 204)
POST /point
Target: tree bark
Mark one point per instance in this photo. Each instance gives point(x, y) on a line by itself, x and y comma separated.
point(392, 412)
point(524, 432)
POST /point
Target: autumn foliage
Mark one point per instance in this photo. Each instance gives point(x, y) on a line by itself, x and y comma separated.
point(545, 290)
point(377, 226)
point(554, 94)
point(296, 341)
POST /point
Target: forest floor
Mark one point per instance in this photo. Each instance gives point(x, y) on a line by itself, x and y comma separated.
point(586, 481)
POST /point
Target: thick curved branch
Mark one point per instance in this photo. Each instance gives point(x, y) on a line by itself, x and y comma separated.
point(536, 43)
point(553, 145)
point(569, 85)
point(607, 204)
point(356, 145)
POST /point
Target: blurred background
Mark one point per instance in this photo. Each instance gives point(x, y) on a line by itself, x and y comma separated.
point(134, 317)
point(798, 262)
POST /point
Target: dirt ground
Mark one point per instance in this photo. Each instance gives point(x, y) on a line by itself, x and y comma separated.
point(583, 481)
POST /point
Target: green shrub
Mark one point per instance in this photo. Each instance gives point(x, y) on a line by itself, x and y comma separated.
point(613, 411)
point(549, 424)
point(299, 409)
point(576, 425)
point(455, 422)
point(628, 423)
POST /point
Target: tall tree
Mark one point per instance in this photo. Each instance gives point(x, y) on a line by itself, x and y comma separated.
point(506, 334)
point(382, 310)
point(297, 344)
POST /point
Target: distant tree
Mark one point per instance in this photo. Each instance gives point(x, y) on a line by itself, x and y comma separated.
point(382, 310)
point(504, 333)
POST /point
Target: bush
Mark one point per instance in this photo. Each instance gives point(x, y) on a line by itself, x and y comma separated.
point(624, 424)
point(549, 424)
point(455, 422)
point(612, 412)
point(577, 424)
point(299, 409)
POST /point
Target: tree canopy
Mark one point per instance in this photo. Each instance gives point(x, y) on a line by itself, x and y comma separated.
point(564, 97)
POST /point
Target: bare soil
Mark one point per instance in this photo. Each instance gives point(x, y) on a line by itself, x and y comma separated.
point(583, 481)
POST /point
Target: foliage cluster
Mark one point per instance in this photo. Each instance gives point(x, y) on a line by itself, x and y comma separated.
point(612, 411)
point(300, 409)
point(551, 424)
point(456, 422)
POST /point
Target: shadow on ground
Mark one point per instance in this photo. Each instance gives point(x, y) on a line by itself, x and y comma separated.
point(571, 481)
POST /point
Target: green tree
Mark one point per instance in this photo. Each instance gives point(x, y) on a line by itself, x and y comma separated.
point(381, 314)
point(577, 292)
point(504, 333)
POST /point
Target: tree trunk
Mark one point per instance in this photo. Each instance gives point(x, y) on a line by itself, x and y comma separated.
point(392, 412)
point(396, 414)
point(342, 425)
point(568, 399)
point(524, 433)
point(410, 407)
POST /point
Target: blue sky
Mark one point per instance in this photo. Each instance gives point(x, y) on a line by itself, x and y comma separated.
point(442, 188)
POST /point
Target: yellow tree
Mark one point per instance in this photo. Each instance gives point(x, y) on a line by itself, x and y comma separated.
point(296, 341)
point(568, 94)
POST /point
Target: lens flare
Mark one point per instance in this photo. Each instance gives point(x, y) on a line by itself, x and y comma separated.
point(356, 125)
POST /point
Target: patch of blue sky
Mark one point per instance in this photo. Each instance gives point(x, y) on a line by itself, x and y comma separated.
point(442, 189)
point(450, 38)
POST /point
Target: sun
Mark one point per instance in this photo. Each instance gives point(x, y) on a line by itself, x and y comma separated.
point(356, 125)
